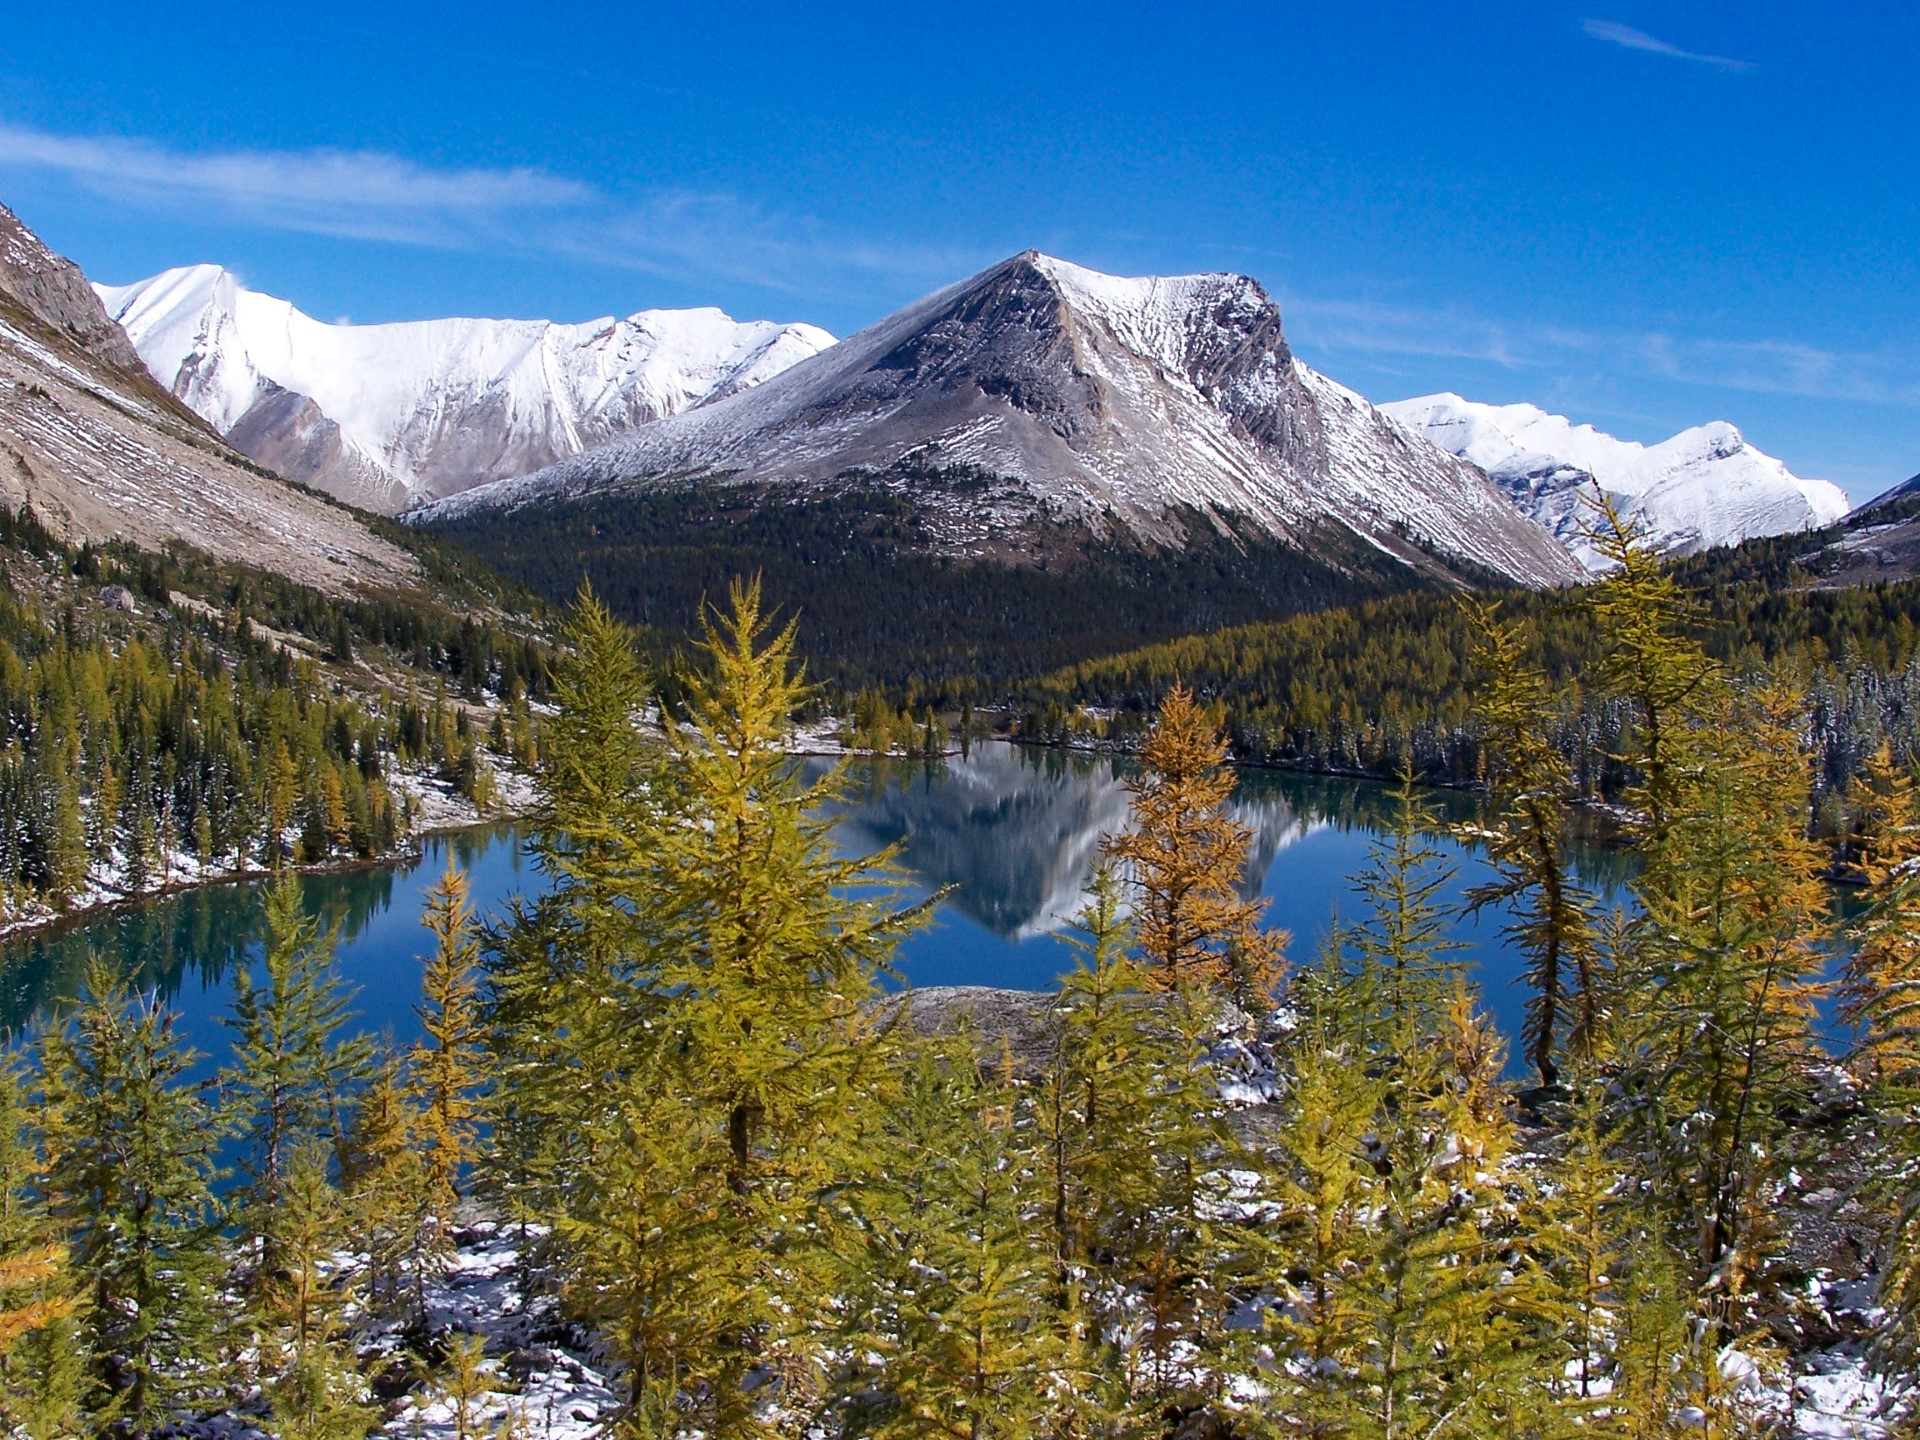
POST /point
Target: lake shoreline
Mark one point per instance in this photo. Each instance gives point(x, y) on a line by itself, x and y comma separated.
point(1006, 835)
point(102, 902)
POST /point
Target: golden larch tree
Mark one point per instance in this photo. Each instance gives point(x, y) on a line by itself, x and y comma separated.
point(1185, 856)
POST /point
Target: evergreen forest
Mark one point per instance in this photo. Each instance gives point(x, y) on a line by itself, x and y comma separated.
point(215, 718)
point(1225, 1190)
point(883, 610)
point(1390, 683)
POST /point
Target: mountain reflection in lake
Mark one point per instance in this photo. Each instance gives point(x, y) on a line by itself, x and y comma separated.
point(1014, 832)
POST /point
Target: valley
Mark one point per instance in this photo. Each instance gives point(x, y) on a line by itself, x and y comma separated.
point(1071, 1063)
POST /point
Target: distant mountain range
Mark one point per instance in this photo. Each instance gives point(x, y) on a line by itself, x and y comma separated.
point(1704, 487)
point(1118, 402)
point(101, 452)
point(1031, 466)
point(386, 416)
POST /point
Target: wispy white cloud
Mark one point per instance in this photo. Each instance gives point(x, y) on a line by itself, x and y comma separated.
point(1370, 328)
point(356, 193)
point(1544, 349)
point(375, 196)
point(682, 234)
point(1614, 33)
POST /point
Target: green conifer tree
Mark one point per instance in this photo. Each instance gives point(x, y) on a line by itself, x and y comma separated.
point(1881, 1000)
point(287, 1084)
point(450, 1065)
point(382, 1177)
point(130, 1177)
point(1188, 1254)
point(1531, 782)
point(1405, 969)
point(1098, 1110)
point(42, 1374)
point(1651, 659)
point(950, 1321)
point(1655, 1352)
point(1322, 1184)
point(713, 1080)
point(1395, 1189)
point(572, 974)
point(309, 1370)
point(1453, 1342)
point(1718, 1030)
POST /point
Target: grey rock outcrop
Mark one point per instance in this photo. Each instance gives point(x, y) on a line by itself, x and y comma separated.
point(52, 290)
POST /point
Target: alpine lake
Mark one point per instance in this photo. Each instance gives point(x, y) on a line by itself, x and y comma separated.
point(1011, 833)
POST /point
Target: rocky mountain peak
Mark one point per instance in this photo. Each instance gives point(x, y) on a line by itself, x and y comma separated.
point(1703, 487)
point(99, 451)
point(51, 289)
point(1125, 405)
point(387, 415)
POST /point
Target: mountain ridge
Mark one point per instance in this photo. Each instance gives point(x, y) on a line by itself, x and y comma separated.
point(1116, 403)
point(1702, 488)
point(99, 451)
point(387, 415)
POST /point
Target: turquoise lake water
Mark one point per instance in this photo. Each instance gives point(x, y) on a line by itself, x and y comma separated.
point(1014, 831)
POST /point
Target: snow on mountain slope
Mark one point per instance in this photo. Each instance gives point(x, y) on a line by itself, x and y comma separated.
point(100, 452)
point(1704, 487)
point(1122, 405)
point(387, 415)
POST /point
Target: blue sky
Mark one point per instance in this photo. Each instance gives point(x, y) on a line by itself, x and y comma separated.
point(1645, 215)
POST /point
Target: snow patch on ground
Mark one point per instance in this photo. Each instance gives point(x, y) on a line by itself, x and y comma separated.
point(543, 1381)
point(431, 802)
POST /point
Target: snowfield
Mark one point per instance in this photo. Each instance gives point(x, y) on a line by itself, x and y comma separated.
point(409, 411)
point(1703, 487)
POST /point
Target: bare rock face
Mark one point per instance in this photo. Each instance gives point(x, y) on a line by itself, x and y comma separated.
point(51, 288)
point(1024, 1029)
point(1022, 1026)
point(101, 452)
point(1057, 394)
point(285, 431)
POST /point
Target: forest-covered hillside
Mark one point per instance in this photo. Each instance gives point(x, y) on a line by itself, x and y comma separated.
point(730, 1189)
point(167, 717)
point(1389, 682)
point(879, 608)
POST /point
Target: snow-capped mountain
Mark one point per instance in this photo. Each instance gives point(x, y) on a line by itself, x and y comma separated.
point(1704, 487)
point(100, 452)
point(389, 415)
point(1039, 392)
